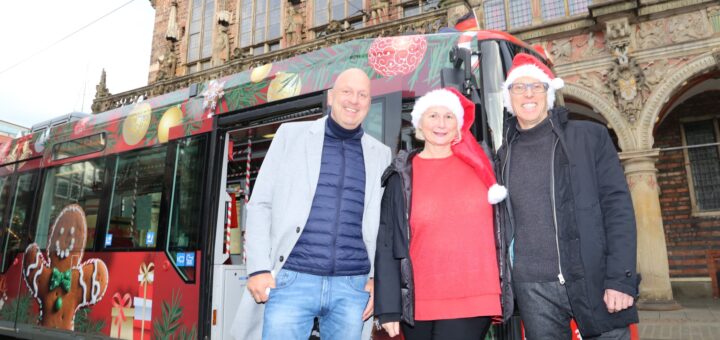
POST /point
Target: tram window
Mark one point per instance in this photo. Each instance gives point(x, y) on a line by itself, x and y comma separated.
point(135, 200)
point(373, 124)
point(17, 237)
point(185, 204)
point(78, 183)
point(80, 146)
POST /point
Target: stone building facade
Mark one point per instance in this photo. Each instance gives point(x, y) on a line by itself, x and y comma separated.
point(647, 69)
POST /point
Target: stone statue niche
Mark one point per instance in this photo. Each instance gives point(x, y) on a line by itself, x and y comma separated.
point(379, 11)
point(294, 26)
point(221, 49)
point(167, 63)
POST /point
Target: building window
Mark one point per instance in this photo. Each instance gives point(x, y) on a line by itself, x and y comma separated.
point(326, 10)
point(200, 34)
point(495, 15)
point(417, 7)
point(259, 22)
point(703, 159)
point(509, 14)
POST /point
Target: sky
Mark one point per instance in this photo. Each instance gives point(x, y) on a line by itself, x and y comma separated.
point(46, 72)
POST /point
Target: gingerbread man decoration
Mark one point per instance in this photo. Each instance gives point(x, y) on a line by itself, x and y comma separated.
point(58, 281)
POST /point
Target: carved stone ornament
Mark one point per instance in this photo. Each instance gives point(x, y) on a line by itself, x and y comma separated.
point(167, 63)
point(688, 27)
point(651, 34)
point(379, 11)
point(561, 51)
point(294, 27)
point(618, 34)
point(172, 28)
point(714, 18)
point(626, 80)
point(101, 91)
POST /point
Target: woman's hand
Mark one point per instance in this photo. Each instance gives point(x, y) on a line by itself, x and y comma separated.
point(392, 328)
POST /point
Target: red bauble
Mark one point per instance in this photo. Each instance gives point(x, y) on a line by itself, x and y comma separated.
point(392, 56)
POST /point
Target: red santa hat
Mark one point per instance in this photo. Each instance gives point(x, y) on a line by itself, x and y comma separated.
point(525, 65)
point(467, 149)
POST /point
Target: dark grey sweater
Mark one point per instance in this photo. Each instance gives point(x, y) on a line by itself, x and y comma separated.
point(535, 250)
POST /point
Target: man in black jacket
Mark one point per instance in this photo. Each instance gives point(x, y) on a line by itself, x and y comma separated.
point(570, 240)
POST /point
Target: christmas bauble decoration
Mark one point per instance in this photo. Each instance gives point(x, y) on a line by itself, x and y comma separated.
point(81, 125)
point(172, 117)
point(136, 124)
point(284, 85)
point(259, 73)
point(392, 56)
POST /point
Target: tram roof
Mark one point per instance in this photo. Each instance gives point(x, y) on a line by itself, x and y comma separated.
point(410, 64)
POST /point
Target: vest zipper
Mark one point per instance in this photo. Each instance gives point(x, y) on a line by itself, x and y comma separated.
point(341, 183)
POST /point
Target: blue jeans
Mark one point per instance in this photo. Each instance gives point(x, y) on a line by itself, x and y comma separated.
point(337, 301)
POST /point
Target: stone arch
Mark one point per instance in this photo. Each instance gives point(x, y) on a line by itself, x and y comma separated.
point(607, 109)
point(662, 93)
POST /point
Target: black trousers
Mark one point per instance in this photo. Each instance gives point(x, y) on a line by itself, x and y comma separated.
point(546, 313)
point(452, 329)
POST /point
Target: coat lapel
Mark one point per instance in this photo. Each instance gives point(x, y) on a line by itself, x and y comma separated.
point(313, 150)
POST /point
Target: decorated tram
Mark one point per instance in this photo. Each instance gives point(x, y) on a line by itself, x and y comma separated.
point(129, 223)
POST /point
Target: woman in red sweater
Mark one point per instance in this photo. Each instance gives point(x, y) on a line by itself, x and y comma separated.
point(436, 271)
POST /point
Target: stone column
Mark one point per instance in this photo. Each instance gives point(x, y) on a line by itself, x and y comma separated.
point(641, 173)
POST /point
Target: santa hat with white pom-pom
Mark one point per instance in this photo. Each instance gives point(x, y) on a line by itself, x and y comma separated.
point(525, 65)
point(467, 148)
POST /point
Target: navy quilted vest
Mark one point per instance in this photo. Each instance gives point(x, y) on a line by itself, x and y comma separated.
point(331, 244)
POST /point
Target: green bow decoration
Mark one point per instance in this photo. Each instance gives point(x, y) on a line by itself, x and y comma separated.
point(61, 279)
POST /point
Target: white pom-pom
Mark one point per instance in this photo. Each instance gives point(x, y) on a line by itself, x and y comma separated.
point(557, 83)
point(496, 194)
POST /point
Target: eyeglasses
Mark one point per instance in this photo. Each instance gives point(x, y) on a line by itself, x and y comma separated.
point(520, 88)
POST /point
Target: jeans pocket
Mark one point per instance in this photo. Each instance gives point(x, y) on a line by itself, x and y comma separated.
point(357, 283)
point(284, 278)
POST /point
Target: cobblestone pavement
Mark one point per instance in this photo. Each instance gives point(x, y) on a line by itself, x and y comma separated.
point(699, 319)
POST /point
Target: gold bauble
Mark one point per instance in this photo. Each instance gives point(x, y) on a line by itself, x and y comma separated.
point(284, 85)
point(259, 73)
point(172, 117)
point(136, 124)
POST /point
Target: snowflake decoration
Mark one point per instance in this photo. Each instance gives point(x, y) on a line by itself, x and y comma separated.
point(212, 95)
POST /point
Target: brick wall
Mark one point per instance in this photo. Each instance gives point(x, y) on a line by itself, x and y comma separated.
point(687, 237)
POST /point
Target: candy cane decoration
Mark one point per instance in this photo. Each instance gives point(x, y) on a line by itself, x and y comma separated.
point(228, 215)
point(247, 171)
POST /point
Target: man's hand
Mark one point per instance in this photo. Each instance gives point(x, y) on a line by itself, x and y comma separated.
point(259, 286)
point(617, 301)
point(392, 328)
point(370, 288)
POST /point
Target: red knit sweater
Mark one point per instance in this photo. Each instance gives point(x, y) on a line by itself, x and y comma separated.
point(452, 247)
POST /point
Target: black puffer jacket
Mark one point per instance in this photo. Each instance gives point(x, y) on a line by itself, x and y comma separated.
point(394, 289)
point(595, 221)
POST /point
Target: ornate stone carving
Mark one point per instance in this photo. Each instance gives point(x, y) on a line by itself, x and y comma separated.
point(618, 37)
point(379, 11)
point(689, 26)
point(716, 55)
point(101, 91)
point(167, 63)
point(294, 27)
point(587, 47)
point(626, 80)
point(172, 28)
point(561, 51)
point(669, 84)
point(714, 18)
point(597, 82)
point(221, 48)
point(651, 34)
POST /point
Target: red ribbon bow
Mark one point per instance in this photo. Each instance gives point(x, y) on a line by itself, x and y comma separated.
point(121, 303)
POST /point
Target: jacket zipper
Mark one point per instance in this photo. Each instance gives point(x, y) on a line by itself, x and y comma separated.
point(508, 205)
point(339, 201)
point(552, 200)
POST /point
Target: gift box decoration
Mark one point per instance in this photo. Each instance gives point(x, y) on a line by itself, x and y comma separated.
point(122, 314)
point(143, 303)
